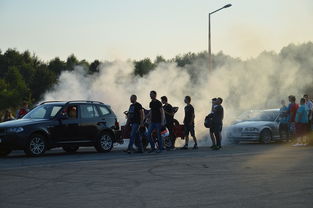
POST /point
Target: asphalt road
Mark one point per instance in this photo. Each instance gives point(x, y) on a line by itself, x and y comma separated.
point(245, 175)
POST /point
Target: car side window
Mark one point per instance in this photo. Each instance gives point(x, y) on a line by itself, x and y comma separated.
point(104, 111)
point(72, 112)
point(89, 111)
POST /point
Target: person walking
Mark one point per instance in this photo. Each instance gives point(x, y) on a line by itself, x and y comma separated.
point(217, 123)
point(189, 123)
point(212, 136)
point(157, 120)
point(135, 118)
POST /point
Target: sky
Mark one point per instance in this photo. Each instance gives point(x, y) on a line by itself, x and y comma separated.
point(136, 29)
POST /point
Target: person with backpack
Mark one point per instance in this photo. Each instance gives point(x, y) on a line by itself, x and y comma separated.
point(209, 123)
point(217, 123)
point(169, 119)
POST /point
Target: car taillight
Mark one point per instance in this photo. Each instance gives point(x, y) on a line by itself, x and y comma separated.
point(117, 124)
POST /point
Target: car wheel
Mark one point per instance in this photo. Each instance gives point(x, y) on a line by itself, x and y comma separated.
point(5, 152)
point(104, 143)
point(36, 145)
point(266, 136)
point(70, 149)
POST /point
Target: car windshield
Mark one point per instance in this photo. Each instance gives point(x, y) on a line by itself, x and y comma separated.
point(259, 116)
point(47, 111)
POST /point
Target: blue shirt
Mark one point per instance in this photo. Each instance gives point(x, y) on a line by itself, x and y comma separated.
point(283, 114)
point(302, 115)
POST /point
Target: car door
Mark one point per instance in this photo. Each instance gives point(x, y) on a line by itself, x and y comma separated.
point(90, 122)
point(68, 129)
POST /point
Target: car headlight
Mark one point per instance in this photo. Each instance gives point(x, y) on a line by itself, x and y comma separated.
point(251, 129)
point(15, 130)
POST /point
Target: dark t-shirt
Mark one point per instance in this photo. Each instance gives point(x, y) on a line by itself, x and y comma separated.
point(218, 114)
point(168, 109)
point(134, 113)
point(189, 112)
point(155, 106)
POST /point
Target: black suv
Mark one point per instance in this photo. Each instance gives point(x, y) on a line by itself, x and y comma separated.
point(69, 125)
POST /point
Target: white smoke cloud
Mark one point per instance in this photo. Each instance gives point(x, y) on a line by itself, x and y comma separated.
point(253, 84)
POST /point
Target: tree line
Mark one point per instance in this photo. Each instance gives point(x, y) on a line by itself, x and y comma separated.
point(24, 77)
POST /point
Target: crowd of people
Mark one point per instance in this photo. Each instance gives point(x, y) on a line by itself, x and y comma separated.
point(161, 116)
point(8, 115)
point(296, 120)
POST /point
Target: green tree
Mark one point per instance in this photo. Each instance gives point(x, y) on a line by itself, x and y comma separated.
point(143, 67)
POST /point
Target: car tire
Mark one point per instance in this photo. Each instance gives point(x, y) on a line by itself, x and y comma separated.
point(104, 142)
point(5, 152)
point(266, 136)
point(36, 145)
point(70, 149)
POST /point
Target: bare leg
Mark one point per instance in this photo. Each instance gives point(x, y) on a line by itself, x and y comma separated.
point(186, 140)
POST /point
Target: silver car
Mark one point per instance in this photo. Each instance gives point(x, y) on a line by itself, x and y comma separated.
point(256, 125)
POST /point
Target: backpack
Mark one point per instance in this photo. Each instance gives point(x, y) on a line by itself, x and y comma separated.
point(208, 121)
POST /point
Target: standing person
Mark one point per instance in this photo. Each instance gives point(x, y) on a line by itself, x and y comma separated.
point(8, 116)
point(292, 110)
point(169, 119)
point(157, 120)
point(283, 122)
point(309, 106)
point(218, 116)
point(135, 117)
point(22, 111)
point(189, 123)
point(301, 123)
point(213, 139)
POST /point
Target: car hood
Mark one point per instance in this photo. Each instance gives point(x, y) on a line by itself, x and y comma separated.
point(21, 122)
point(255, 124)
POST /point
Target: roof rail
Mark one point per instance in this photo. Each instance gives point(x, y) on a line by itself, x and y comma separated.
point(74, 101)
point(51, 101)
point(86, 101)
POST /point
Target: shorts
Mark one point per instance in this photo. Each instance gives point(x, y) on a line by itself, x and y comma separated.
point(216, 128)
point(189, 129)
point(301, 129)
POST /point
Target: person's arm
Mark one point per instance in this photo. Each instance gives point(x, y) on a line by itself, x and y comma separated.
point(142, 117)
point(162, 116)
point(192, 120)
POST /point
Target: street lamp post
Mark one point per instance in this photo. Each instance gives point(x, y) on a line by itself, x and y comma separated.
point(209, 38)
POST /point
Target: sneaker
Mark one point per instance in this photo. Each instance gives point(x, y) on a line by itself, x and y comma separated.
point(195, 146)
point(158, 151)
point(217, 148)
point(213, 146)
point(184, 147)
point(297, 145)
